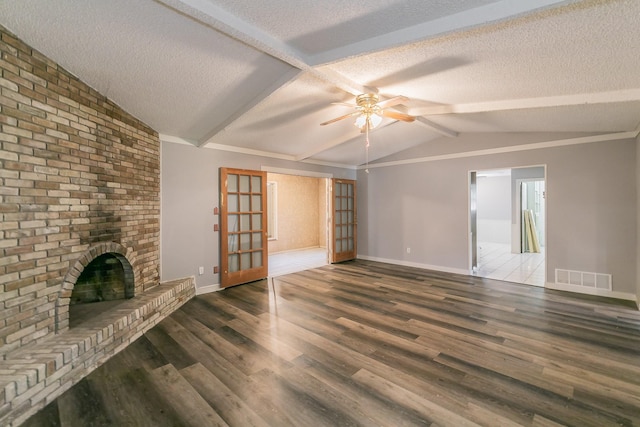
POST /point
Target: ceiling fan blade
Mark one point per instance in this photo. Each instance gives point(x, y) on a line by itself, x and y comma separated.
point(346, 116)
point(398, 116)
point(392, 101)
point(345, 104)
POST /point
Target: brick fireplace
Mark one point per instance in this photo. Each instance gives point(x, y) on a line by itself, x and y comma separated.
point(80, 183)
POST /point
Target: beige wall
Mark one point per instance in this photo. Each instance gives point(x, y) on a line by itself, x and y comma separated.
point(298, 212)
point(322, 212)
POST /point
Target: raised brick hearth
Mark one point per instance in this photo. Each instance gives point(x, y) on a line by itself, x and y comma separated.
point(79, 180)
point(33, 376)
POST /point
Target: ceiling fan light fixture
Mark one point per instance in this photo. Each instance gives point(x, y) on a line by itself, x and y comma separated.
point(368, 119)
point(369, 111)
point(375, 120)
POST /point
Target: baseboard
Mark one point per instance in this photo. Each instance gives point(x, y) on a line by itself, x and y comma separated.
point(415, 264)
point(592, 291)
point(308, 248)
point(200, 290)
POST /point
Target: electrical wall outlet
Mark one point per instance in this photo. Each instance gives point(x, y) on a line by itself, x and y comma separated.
point(408, 250)
point(201, 270)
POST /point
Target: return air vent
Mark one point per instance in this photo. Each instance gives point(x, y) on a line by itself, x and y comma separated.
point(583, 278)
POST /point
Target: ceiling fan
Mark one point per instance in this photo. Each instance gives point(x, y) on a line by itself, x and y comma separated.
point(370, 111)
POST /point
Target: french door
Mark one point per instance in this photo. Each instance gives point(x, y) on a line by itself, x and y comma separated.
point(243, 226)
point(344, 220)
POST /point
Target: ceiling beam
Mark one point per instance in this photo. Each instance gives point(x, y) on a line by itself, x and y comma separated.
point(222, 21)
point(283, 81)
point(436, 127)
point(208, 13)
point(442, 130)
point(465, 20)
point(627, 95)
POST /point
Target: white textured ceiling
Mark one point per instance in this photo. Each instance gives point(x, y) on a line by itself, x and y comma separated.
point(260, 76)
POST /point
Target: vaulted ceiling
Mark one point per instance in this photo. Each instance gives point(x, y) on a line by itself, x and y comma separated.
point(260, 76)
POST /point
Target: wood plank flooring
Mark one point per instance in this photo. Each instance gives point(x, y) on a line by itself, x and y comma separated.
point(370, 344)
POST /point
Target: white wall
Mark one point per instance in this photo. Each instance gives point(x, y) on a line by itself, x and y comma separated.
point(591, 209)
point(494, 209)
point(189, 193)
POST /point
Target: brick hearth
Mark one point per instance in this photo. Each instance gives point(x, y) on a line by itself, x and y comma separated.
point(34, 375)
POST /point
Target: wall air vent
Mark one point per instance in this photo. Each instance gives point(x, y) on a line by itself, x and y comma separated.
point(583, 278)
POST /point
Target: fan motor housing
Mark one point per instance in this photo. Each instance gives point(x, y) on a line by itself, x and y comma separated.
point(367, 100)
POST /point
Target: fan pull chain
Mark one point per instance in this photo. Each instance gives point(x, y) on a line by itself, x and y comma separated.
point(366, 149)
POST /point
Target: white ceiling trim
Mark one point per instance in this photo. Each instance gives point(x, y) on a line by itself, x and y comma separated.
point(511, 149)
point(626, 95)
point(175, 139)
point(251, 152)
point(297, 172)
point(330, 164)
point(467, 19)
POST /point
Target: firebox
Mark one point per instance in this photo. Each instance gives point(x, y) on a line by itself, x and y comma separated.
point(102, 278)
point(103, 281)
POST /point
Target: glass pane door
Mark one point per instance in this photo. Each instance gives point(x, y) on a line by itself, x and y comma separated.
point(243, 224)
point(344, 220)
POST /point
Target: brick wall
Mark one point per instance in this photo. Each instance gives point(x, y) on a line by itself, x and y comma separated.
point(75, 171)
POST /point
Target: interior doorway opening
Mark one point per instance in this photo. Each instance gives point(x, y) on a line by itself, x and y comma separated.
point(507, 223)
point(298, 222)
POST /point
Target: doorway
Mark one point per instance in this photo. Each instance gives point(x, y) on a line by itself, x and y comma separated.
point(297, 223)
point(507, 218)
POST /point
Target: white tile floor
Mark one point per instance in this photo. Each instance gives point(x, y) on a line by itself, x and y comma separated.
point(495, 261)
point(294, 261)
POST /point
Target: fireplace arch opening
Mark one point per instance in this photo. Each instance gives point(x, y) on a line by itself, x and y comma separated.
point(101, 279)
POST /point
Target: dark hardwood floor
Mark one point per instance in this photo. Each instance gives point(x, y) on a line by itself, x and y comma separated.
point(364, 343)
